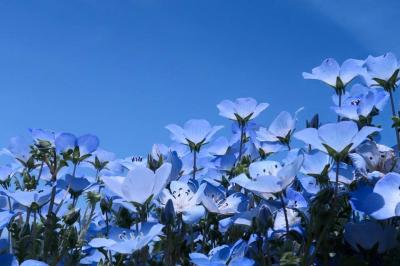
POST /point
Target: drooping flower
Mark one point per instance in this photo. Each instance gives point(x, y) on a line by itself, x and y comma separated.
point(334, 75)
point(195, 133)
point(139, 184)
point(241, 110)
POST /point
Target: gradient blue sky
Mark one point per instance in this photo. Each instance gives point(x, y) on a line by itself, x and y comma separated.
point(125, 69)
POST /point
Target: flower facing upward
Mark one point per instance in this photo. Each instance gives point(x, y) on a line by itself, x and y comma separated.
point(242, 109)
point(195, 133)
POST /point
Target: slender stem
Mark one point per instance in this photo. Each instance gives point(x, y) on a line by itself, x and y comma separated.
point(340, 104)
point(107, 228)
point(40, 172)
point(242, 137)
point(284, 213)
point(394, 114)
point(337, 178)
point(53, 181)
point(194, 164)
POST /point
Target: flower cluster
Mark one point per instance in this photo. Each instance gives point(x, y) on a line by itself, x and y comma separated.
point(275, 194)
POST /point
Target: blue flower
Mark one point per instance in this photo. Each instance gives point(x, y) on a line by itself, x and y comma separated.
point(242, 109)
point(5, 173)
point(127, 241)
point(334, 75)
point(280, 129)
point(19, 147)
point(33, 263)
point(269, 176)
point(66, 141)
point(388, 187)
point(368, 234)
point(75, 184)
point(360, 102)
point(27, 198)
point(381, 68)
point(186, 199)
point(335, 136)
point(139, 184)
point(216, 201)
point(218, 256)
point(195, 132)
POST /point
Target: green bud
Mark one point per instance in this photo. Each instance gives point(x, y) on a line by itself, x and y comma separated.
point(72, 216)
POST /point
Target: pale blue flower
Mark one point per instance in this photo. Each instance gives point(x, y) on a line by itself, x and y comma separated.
point(19, 147)
point(194, 132)
point(125, 241)
point(139, 184)
point(360, 102)
point(269, 176)
point(388, 188)
point(27, 198)
point(382, 67)
point(335, 136)
point(216, 201)
point(186, 199)
point(66, 141)
point(33, 263)
point(334, 75)
point(244, 109)
point(280, 129)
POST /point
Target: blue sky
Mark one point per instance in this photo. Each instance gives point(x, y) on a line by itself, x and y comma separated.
point(123, 70)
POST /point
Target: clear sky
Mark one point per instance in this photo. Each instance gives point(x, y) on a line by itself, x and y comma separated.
point(124, 69)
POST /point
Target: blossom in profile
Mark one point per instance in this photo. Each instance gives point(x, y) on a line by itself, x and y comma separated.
point(194, 133)
point(382, 70)
point(86, 143)
point(335, 137)
point(139, 184)
point(242, 109)
point(336, 76)
point(280, 129)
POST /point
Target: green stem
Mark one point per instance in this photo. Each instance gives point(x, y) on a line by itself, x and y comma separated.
point(194, 164)
point(242, 137)
point(284, 213)
point(337, 178)
point(394, 114)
